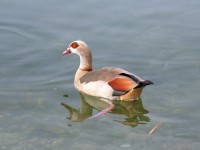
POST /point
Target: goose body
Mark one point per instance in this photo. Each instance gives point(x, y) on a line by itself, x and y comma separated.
point(108, 82)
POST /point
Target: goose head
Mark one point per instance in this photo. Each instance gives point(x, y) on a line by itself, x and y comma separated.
point(77, 47)
point(81, 49)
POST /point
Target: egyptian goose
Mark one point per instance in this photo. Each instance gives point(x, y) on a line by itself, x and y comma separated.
point(110, 83)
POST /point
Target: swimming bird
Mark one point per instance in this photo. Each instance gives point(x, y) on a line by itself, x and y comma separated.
point(108, 82)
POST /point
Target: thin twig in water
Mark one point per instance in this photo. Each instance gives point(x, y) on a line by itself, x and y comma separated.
point(154, 128)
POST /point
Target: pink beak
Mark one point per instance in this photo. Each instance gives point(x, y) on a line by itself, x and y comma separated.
point(67, 51)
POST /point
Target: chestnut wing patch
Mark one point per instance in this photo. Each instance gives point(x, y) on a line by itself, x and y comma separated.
point(122, 83)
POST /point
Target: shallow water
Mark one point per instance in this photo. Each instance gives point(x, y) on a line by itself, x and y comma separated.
point(158, 40)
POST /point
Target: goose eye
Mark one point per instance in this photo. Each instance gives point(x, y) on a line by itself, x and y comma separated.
point(74, 45)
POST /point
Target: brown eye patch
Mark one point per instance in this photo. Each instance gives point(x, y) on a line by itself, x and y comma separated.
point(74, 45)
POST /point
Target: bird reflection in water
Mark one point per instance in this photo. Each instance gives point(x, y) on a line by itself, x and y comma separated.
point(132, 110)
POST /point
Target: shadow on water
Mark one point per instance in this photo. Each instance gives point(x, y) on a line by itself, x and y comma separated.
point(133, 111)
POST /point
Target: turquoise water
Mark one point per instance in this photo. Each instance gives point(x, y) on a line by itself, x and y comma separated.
point(158, 40)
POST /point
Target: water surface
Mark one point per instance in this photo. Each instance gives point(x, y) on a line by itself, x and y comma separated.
point(158, 40)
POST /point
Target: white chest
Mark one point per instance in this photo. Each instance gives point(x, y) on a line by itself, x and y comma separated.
point(95, 88)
